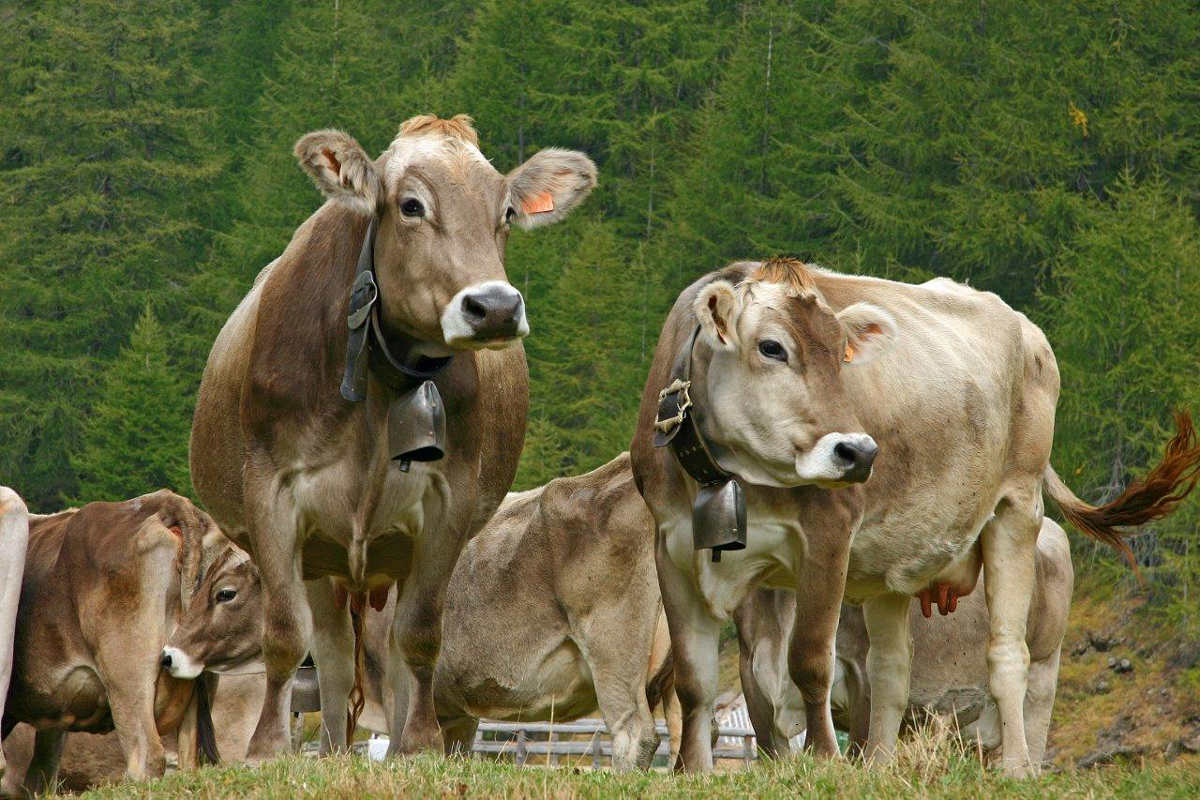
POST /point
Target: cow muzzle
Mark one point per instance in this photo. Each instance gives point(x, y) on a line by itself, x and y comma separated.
point(490, 314)
point(179, 664)
point(838, 459)
point(858, 454)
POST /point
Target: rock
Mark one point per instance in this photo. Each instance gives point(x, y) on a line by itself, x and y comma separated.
point(1122, 666)
point(1101, 643)
point(1102, 687)
point(1107, 756)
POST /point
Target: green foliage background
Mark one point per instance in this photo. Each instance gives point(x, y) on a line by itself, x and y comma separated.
point(1044, 150)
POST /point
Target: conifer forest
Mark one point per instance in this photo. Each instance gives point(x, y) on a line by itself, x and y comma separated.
point(1048, 151)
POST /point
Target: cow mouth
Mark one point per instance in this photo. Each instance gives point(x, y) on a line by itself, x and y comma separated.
point(179, 664)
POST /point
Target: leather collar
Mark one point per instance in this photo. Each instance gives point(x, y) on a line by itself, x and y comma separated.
point(388, 357)
point(675, 423)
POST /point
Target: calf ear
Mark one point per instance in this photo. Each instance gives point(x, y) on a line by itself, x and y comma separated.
point(549, 185)
point(715, 307)
point(340, 168)
point(869, 332)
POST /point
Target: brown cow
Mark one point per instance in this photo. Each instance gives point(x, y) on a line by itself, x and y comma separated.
point(103, 585)
point(949, 668)
point(14, 534)
point(314, 484)
point(799, 377)
point(585, 629)
point(91, 759)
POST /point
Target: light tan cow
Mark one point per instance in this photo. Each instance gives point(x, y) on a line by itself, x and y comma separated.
point(949, 666)
point(14, 535)
point(306, 479)
point(103, 585)
point(800, 377)
point(552, 612)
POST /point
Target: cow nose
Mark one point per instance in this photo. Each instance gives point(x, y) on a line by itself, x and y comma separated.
point(494, 312)
point(165, 661)
point(858, 455)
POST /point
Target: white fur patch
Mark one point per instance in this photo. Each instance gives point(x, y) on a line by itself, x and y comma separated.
point(407, 150)
point(457, 331)
point(820, 464)
point(182, 665)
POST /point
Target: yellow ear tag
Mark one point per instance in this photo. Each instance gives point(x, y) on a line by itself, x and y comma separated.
point(538, 205)
point(848, 356)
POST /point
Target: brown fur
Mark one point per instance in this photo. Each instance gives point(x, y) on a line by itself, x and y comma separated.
point(1148, 498)
point(793, 274)
point(275, 370)
point(459, 126)
point(101, 586)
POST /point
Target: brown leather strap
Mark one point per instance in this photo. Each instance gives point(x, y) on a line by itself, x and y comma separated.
point(675, 423)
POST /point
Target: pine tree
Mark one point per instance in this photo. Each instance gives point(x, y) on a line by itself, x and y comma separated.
point(135, 438)
point(107, 193)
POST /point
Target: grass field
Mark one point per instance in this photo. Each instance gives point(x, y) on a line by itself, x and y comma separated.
point(930, 766)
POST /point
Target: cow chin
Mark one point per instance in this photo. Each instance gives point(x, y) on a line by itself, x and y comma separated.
point(182, 665)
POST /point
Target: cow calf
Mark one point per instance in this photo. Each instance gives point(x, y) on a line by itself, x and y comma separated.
point(102, 586)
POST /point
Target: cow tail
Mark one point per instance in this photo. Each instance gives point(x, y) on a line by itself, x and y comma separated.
point(357, 699)
point(1149, 498)
point(206, 734)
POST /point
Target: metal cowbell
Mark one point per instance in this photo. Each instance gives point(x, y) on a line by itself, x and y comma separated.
point(719, 518)
point(416, 425)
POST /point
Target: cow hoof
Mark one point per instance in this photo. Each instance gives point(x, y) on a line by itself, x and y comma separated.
point(1018, 769)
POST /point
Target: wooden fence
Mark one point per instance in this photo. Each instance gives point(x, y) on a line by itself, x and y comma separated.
point(524, 740)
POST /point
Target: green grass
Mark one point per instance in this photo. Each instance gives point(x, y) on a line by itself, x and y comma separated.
point(932, 767)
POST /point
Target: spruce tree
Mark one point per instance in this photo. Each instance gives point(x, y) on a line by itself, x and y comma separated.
point(107, 193)
point(135, 438)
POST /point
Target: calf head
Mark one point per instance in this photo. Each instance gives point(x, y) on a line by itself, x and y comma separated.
point(443, 220)
point(776, 411)
point(222, 626)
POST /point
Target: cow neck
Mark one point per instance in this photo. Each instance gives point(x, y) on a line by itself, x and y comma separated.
point(677, 424)
point(719, 508)
point(390, 356)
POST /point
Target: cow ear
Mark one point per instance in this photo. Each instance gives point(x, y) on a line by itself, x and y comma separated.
point(869, 331)
point(715, 307)
point(340, 169)
point(549, 185)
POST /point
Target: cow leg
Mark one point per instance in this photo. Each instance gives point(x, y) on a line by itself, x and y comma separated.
point(333, 652)
point(889, 661)
point(1039, 703)
point(819, 589)
point(1009, 542)
point(616, 649)
point(673, 715)
point(14, 539)
point(42, 776)
point(761, 666)
point(417, 639)
point(458, 735)
point(694, 638)
point(287, 624)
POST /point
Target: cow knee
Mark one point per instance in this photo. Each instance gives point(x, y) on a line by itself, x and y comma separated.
point(812, 672)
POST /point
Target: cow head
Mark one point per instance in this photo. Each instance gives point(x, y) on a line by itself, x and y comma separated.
point(222, 626)
point(775, 411)
point(444, 215)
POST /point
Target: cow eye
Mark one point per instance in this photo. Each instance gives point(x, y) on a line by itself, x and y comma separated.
point(225, 595)
point(510, 215)
point(412, 207)
point(773, 350)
